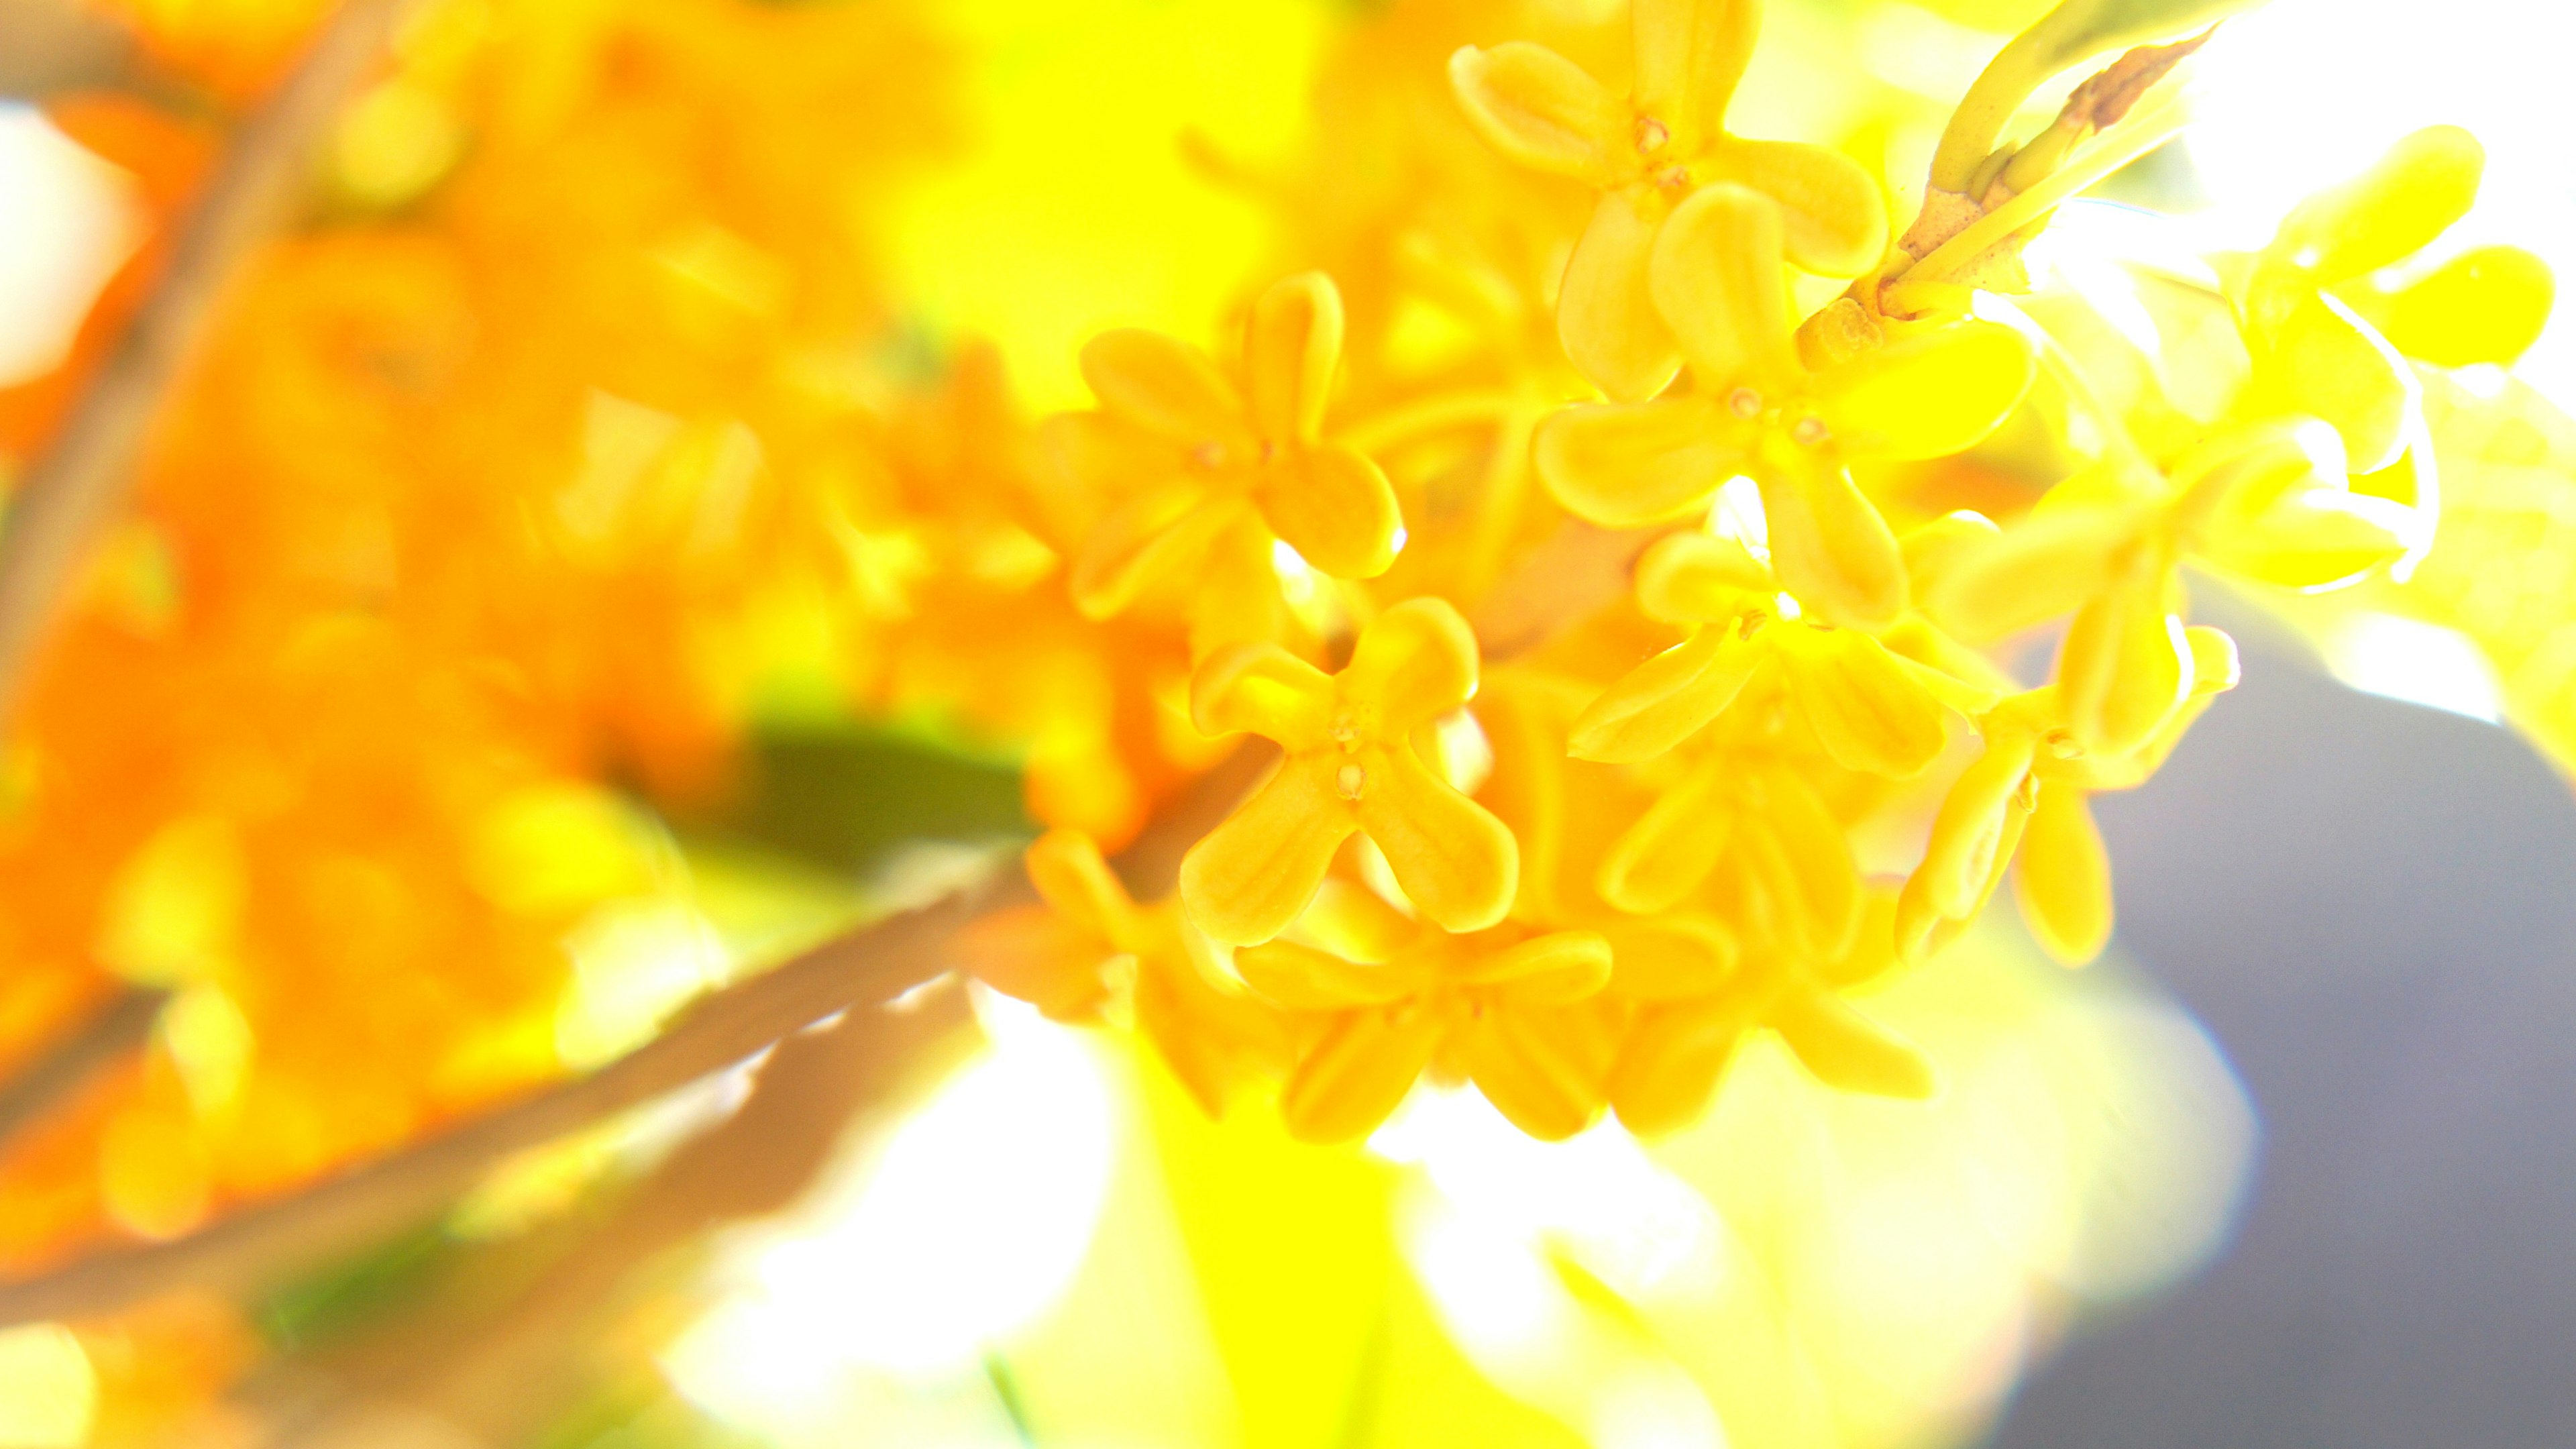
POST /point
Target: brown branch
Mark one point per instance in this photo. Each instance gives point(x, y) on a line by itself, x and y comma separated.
point(875, 963)
point(80, 482)
point(119, 1027)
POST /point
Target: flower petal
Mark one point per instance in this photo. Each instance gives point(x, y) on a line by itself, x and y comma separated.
point(1357, 1074)
point(2487, 304)
point(1667, 699)
point(1540, 109)
point(2062, 879)
point(1627, 465)
point(2409, 196)
point(1968, 836)
point(1848, 1050)
point(1833, 219)
point(1689, 56)
point(1246, 880)
point(2123, 668)
point(1457, 863)
point(1543, 1070)
point(1699, 578)
point(1163, 386)
point(1673, 1060)
point(1289, 354)
point(1067, 869)
point(1667, 957)
point(1334, 506)
point(1800, 848)
point(1302, 978)
point(1672, 847)
point(1832, 549)
point(1716, 277)
point(2323, 360)
point(1412, 664)
point(1866, 708)
point(1149, 540)
point(1262, 689)
point(2043, 567)
point(1557, 969)
point(1605, 310)
point(1929, 394)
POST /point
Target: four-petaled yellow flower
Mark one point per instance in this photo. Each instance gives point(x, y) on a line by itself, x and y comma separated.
point(1234, 463)
point(1756, 410)
point(1648, 152)
point(2028, 794)
point(1504, 1007)
point(1872, 708)
point(1351, 766)
point(2269, 502)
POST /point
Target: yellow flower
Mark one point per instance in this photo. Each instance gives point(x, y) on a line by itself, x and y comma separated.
point(2028, 793)
point(1233, 461)
point(1088, 940)
point(1351, 766)
point(1647, 153)
point(1498, 1006)
point(1678, 1050)
point(1873, 709)
point(1756, 410)
point(2270, 502)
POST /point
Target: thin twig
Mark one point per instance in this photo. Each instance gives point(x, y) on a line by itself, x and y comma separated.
point(875, 963)
point(80, 482)
point(119, 1027)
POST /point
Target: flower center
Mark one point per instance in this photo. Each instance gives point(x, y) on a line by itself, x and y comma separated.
point(1651, 135)
point(1349, 781)
point(1744, 402)
point(1808, 432)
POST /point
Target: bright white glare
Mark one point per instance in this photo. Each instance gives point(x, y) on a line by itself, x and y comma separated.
point(1490, 1211)
point(48, 1391)
point(634, 963)
point(73, 222)
point(1599, 1196)
point(968, 1226)
point(2408, 659)
point(1737, 514)
point(2300, 93)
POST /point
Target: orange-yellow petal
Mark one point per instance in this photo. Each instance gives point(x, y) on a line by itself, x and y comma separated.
point(2043, 567)
point(1667, 957)
point(1149, 540)
point(1831, 547)
point(1665, 700)
point(1627, 465)
point(1302, 978)
point(2062, 879)
point(1411, 665)
point(1289, 353)
point(1356, 1075)
point(1605, 310)
point(1928, 394)
point(1833, 218)
point(1262, 689)
point(1671, 848)
point(1540, 109)
point(1715, 274)
point(1673, 1060)
point(2487, 304)
point(1700, 578)
point(1866, 708)
point(1543, 1070)
point(1968, 837)
point(1557, 969)
point(1038, 956)
point(2321, 359)
point(1689, 54)
point(1067, 869)
point(1804, 857)
point(2123, 668)
point(1246, 880)
point(1457, 863)
point(1163, 386)
point(1334, 506)
point(1848, 1050)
